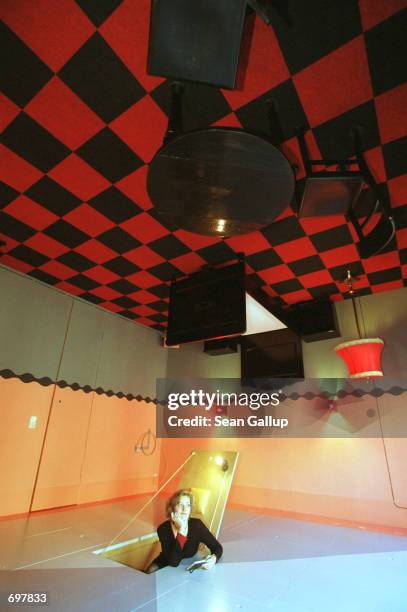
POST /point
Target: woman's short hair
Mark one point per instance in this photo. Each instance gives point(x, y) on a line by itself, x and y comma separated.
point(174, 500)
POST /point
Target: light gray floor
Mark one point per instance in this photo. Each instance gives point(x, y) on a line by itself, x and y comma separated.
point(269, 563)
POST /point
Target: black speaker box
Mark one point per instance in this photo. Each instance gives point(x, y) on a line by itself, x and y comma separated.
point(313, 320)
point(275, 354)
point(221, 346)
point(196, 40)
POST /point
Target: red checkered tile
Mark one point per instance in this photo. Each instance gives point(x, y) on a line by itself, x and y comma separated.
point(398, 190)
point(391, 114)
point(228, 121)
point(10, 244)
point(401, 237)
point(143, 279)
point(134, 187)
point(373, 12)
point(348, 88)
point(101, 275)
point(142, 128)
point(188, 263)
point(8, 112)
point(195, 241)
point(383, 261)
point(249, 243)
point(390, 286)
point(34, 215)
point(95, 251)
point(145, 321)
point(258, 80)
point(145, 228)
point(375, 161)
point(53, 30)
point(276, 274)
point(15, 264)
point(144, 297)
point(314, 225)
point(295, 249)
point(144, 257)
point(315, 279)
point(269, 291)
point(341, 255)
point(110, 306)
point(65, 286)
point(297, 296)
point(15, 171)
point(143, 311)
point(131, 43)
point(362, 282)
point(63, 114)
point(106, 293)
point(87, 219)
point(78, 177)
point(46, 245)
point(57, 269)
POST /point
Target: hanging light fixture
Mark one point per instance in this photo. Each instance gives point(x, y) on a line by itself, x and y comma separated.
point(362, 356)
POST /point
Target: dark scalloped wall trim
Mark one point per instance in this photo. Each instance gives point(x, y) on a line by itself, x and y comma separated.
point(62, 384)
point(376, 392)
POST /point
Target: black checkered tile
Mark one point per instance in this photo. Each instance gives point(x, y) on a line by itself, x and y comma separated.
point(109, 155)
point(115, 205)
point(33, 143)
point(23, 74)
point(53, 196)
point(118, 240)
point(98, 10)
point(100, 79)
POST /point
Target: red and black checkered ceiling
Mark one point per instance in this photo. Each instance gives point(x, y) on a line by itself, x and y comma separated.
point(81, 119)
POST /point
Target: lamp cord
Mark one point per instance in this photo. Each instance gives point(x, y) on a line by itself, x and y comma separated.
point(387, 459)
point(356, 315)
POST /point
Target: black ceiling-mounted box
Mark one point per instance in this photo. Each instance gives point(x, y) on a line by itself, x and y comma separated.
point(208, 304)
point(196, 40)
point(274, 354)
point(312, 320)
point(221, 346)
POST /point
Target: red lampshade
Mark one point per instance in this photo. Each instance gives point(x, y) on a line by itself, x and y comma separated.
point(362, 357)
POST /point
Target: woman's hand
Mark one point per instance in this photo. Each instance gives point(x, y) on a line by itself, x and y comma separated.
point(210, 562)
point(180, 523)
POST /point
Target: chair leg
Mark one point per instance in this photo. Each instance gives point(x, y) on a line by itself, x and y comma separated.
point(175, 118)
point(304, 151)
point(276, 131)
point(368, 177)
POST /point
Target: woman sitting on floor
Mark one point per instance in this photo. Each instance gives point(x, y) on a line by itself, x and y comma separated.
point(181, 535)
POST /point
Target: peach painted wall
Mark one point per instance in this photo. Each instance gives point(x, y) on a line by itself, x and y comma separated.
point(111, 467)
point(59, 475)
point(345, 478)
point(20, 447)
point(88, 452)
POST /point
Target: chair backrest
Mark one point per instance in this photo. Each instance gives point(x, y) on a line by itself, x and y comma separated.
point(372, 240)
point(368, 210)
point(330, 191)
